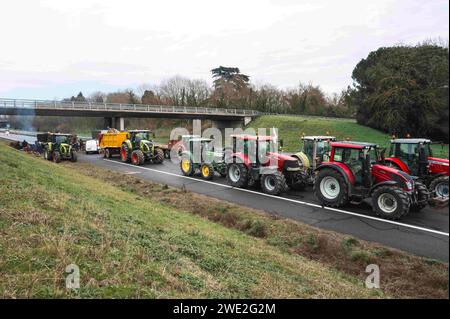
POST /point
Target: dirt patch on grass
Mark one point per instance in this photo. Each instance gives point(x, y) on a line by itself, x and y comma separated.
point(402, 275)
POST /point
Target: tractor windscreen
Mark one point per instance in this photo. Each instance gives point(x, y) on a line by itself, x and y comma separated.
point(61, 139)
point(142, 136)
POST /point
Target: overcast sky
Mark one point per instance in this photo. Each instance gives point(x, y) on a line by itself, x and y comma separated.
point(55, 48)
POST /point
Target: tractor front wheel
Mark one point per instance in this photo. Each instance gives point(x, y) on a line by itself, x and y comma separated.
point(207, 171)
point(439, 187)
point(273, 184)
point(330, 188)
point(237, 175)
point(159, 156)
point(73, 156)
point(137, 157)
point(56, 157)
point(423, 195)
point(390, 202)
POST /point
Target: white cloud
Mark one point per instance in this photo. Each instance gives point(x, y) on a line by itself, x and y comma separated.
point(128, 42)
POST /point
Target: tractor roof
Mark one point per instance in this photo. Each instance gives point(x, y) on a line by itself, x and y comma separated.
point(319, 138)
point(200, 139)
point(351, 144)
point(253, 137)
point(411, 141)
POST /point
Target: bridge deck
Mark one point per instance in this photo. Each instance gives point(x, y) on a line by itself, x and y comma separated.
point(74, 108)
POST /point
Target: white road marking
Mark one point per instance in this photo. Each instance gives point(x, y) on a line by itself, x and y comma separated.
point(291, 200)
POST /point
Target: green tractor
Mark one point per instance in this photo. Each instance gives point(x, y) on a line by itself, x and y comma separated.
point(200, 155)
point(139, 148)
point(57, 146)
point(316, 149)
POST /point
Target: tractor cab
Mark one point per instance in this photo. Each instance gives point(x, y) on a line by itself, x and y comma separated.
point(254, 149)
point(316, 149)
point(204, 147)
point(411, 154)
point(358, 157)
point(136, 136)
point(415, 157)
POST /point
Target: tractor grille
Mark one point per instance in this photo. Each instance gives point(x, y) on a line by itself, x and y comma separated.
point(291, 166)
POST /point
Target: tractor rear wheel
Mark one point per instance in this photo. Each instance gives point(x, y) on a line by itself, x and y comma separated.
point(390, 202)
point(423, 195)
point(159, 156)
point(186, 165)
point(48, 155)
point(207, 171)
point(237, 175)
point(56, 157)
point(330, 188)
point(125, 153)
point(137, 157)
point(273, 184)
point(439, 187)
point(73, 156)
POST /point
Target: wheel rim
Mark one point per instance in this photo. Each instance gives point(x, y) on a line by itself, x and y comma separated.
point(134, 158)
point(269, 183)
point(329, 187)
point(205, 170)
point(185, 165)
point(124, 153)
point(442, 189)
point(387, 203)
point(235, 173)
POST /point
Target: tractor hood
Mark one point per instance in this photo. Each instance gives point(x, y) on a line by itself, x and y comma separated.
point(438, 161)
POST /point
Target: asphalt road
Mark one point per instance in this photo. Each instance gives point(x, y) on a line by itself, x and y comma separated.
point(425, 233)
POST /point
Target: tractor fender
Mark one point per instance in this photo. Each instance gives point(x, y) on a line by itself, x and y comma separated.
point(128, 143)
point(304, 160)
point(240, 158)
point(399, 163)
point(343, 170)
point(385, 183)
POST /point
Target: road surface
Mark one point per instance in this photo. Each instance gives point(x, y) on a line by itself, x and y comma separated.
point(425, 233)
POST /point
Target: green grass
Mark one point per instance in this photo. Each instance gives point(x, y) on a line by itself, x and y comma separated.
point(291, 128)
point(128, 246)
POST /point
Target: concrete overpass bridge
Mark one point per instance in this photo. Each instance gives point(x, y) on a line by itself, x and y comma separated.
point(114, 113)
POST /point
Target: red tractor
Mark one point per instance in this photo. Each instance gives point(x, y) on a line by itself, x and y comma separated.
point(354, 173)
point(254, 159)
point(415, 157)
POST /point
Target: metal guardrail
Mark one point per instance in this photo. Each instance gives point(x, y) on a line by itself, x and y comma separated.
point(82, 106)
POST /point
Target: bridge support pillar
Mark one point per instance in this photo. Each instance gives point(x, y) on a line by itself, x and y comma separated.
point(109, 122)
point(121, 124)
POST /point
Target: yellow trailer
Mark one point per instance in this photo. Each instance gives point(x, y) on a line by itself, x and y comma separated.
point(110, 143)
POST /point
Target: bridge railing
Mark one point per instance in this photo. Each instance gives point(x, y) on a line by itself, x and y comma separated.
point(95, 106)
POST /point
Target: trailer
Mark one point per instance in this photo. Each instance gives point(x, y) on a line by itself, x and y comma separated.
point(111, 142)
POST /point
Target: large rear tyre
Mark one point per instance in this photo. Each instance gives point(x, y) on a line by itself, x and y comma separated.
point(186, 165)
point(390, 202)
point(159, 156)
point(273, 184)
point(137, 157)
point(439, 187)
point(56, 157)
point(125, 153)
point(207, 171)
point(331, 189)
point(237, 175)
point(423, 195)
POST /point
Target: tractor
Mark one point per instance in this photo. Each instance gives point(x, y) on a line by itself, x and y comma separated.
point(200, 155)
point(57, 147)
point(254, 160)
point(316, 149)
point(354, 173)
point(415, 157)
point(139, 148)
